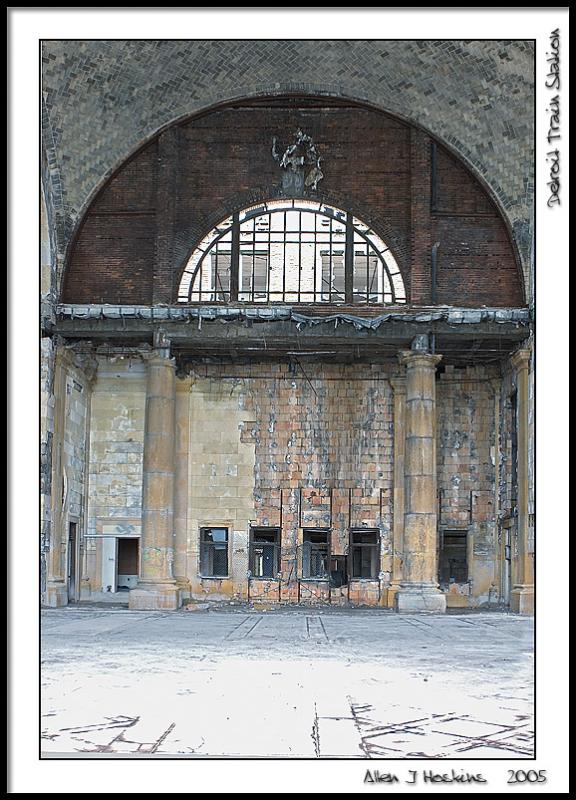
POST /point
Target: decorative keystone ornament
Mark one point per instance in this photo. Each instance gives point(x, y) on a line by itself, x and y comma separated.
point(301, 164)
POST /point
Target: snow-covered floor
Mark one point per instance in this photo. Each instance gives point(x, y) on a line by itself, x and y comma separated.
point(363, 683)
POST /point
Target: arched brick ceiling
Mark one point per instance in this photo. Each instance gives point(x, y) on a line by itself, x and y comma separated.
point(102, 99)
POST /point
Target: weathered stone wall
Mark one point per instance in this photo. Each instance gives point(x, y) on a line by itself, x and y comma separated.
point(270, 447)
point(47, 354)
point(221, 478)
point(46, 441)
point(467, 443)
point(531, 451)
point(116, 451)
point(65, 398)
point(293, 446)
point(508, 510)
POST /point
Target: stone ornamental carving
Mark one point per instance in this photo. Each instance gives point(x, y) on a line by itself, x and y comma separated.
point(300, 162)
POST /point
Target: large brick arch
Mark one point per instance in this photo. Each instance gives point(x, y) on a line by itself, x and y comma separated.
point(140, 227)
point(103, 99)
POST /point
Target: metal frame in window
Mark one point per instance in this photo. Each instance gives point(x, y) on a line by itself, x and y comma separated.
point(311, 253)
point(214, 561)
point(264, 553)
point(315, 554)
point(363, 552)
point(453, 557)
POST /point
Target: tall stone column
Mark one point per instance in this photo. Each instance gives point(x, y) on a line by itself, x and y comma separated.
point(398, 384)
point(156, 587)
point(419, 585)
point(181, 494)
point(522, 595)
point(56, 586)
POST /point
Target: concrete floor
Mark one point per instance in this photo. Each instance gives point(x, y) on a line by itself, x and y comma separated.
point(287, 683)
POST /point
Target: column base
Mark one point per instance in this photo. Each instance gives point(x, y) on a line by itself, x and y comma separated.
point(522, 600)
point(154, 597)
point(184, 588)
point(85, 590)
point(393, 590)
point(56, 595)
point(419, 599)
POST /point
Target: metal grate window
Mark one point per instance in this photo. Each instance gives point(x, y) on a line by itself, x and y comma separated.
point(315, 553)
point(264, 552)
point(365, 554)
point(292, 251)
point(214, 552)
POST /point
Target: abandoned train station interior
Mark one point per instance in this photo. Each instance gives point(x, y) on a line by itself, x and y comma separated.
point(287, 350)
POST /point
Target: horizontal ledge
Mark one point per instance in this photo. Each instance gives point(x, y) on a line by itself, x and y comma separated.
point(179, 313)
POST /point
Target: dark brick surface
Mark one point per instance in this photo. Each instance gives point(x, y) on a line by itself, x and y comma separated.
point(197, 173)
point(102, 99)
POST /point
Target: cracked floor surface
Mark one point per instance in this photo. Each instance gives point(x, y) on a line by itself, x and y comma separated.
point(288, 683)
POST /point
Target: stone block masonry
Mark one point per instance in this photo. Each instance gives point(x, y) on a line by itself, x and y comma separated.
point(298, 447)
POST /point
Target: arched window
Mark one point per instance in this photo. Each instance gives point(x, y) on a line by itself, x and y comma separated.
point(292, 251)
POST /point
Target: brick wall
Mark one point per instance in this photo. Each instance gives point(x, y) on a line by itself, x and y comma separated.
point(143, 225)
point(103, 98)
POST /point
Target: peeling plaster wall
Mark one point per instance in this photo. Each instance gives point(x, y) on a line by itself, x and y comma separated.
point(531, 452)
point(47, 361)
point(467, 474)
point(274, 448)
point(221, 479)
point(296, 447)
point(507, 514)
point(46, 442)
point(65, 421)
point(116, 452)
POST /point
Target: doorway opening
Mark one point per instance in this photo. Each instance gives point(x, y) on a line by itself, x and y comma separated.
point(72, 561)
point(128, 564)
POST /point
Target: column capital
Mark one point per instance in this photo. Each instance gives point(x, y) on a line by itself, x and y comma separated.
point(417, 358)
point(521, 358)
point(159, 357)
point(398, 384)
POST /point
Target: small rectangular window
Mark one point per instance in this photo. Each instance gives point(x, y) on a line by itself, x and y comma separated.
point(365, 554)
point(214, 552)
point(453, 557)
point(265, 552)
point(315, 554)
